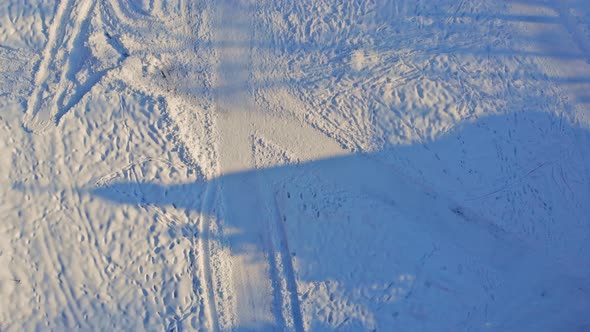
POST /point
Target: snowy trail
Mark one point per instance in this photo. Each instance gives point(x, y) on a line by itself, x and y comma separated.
point(255, 276)
point(250, 271)
point(263, 275)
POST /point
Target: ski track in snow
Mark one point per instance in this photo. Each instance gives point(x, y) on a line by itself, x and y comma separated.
point(46, 104)
point(56, 34)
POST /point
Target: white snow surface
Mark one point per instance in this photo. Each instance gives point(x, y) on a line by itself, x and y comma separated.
point(308, 165)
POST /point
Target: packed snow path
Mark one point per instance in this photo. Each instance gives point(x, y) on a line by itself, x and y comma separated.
point(262, 276)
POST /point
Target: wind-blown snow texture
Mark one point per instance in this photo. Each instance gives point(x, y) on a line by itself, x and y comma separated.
point(309, 165)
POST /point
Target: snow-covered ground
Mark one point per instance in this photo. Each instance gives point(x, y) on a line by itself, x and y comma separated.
point(309, 165)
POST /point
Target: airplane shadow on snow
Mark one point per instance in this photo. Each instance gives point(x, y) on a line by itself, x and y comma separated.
point(380, 243)
point(356, 224)
point(358, 218)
